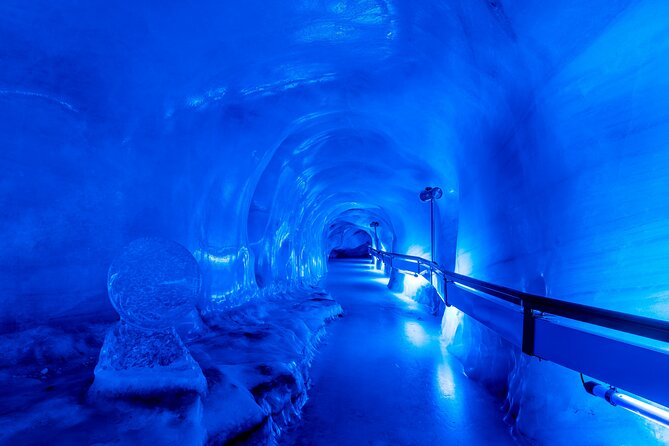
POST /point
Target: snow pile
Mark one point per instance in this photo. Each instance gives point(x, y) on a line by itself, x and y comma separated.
point(255, 359)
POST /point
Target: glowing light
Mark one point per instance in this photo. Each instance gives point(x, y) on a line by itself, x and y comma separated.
point(411, 304)
point(449, 325)
point(220, 260)
point(445, 381)
point(418, 251)
point(413, 284)
point(463, 263)
point(212, 258)
point(416, 334)
point(35, 94)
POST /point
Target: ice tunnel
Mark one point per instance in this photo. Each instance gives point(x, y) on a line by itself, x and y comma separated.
point(214, 232)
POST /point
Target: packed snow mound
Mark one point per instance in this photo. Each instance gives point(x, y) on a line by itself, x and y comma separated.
point(255, 359)
point(261, 352)
point(136, 361)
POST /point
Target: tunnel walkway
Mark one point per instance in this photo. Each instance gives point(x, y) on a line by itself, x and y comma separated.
point(380, 377)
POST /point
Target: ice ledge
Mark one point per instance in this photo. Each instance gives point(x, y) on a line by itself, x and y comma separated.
point(255, 359)
point(256, 362)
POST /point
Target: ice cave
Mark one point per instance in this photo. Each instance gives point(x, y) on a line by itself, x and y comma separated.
point(334, 222)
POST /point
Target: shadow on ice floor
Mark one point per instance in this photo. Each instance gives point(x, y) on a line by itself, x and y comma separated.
point(382, 378)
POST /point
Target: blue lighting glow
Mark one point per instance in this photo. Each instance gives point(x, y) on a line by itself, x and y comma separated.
point(265, 137)
point(412, 284)
point(445, 381)
point(416, 333)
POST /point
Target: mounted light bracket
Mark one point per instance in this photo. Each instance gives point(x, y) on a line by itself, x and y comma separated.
point(431, 193)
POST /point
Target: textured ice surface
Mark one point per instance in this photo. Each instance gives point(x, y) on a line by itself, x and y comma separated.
point(256, 367)
point(154, 283)
point(261, 352)
point(348, 240)
point(136, 361)
point(245, 129)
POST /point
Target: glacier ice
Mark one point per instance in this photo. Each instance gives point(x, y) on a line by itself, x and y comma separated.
point(136, 361)
point(254, 347)
point(252, 133)
point(153, 284)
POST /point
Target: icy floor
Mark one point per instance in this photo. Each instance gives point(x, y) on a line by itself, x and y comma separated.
point(381, 378)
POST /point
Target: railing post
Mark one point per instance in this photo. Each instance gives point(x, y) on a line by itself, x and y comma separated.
point(528, 329)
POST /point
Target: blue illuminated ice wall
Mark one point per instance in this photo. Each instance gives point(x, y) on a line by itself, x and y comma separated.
point(251, 131)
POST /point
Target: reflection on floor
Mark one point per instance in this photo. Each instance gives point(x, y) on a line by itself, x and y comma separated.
point(381, 377)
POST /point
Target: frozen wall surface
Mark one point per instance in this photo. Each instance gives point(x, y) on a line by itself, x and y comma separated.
point(261, 135)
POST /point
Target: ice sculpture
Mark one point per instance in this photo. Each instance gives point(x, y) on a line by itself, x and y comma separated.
point(153, 285)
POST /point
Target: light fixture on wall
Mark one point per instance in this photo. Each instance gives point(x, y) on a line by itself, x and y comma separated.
point(430, 194)
point(375, 224)
point(655, 413)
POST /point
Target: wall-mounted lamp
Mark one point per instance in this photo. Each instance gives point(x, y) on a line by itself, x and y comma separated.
point(430, 194)
point(375, 224)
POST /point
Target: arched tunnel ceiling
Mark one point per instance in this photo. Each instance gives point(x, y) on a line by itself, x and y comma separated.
point(250, 132)
point(353, 220)
point(327, 168)
point(211, 110)
point(220, 53)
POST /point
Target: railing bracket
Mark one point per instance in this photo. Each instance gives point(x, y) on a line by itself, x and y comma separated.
point(528, 330)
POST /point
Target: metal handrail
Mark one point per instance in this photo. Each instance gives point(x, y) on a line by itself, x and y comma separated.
point(624, 322)
point(581, 345)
